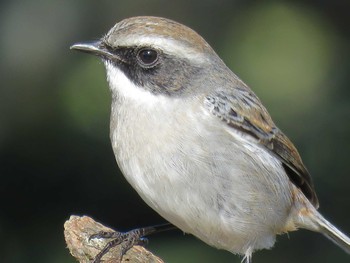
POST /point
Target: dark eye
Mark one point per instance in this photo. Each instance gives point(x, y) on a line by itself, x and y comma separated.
point(147, 57)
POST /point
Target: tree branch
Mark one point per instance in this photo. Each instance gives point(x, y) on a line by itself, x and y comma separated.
point(77, 231)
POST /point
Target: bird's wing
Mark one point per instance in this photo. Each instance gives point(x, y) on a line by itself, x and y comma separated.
point(241, 109)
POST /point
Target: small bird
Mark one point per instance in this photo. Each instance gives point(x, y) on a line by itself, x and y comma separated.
point(198, 145)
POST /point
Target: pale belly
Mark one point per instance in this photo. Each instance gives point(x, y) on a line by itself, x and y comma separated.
point(230, 193)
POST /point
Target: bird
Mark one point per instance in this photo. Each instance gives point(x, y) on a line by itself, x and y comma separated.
point(198, 145)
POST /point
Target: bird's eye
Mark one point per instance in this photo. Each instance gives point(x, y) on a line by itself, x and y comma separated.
point(147, 57)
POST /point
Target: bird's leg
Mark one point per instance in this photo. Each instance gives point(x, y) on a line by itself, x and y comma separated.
point(128, 239)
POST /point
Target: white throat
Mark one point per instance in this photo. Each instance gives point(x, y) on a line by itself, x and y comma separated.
point(126, 89)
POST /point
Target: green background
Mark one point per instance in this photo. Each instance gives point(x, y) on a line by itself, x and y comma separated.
point(55, 155)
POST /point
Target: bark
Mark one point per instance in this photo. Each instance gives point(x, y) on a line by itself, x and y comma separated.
point(77, 231)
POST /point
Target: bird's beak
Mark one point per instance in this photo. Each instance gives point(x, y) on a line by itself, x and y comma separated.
point(94, 47)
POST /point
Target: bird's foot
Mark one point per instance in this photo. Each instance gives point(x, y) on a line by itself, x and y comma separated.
point(125, 239)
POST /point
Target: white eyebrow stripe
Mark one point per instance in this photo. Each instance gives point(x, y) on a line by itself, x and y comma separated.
point(168, 45)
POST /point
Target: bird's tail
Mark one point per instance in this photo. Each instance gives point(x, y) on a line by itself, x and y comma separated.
point(314, 221)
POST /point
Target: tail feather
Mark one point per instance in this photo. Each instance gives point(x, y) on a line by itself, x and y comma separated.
point(334, 234)
point(316, 222)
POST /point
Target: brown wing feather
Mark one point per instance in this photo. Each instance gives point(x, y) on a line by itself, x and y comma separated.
point(242, 109)
point(294, 166)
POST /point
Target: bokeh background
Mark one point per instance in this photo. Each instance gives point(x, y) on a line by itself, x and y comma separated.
point(55, 155)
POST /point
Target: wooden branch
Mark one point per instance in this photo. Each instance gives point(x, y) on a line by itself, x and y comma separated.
point(77, 231)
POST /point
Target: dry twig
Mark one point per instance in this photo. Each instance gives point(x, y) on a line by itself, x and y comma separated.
point(77, 231)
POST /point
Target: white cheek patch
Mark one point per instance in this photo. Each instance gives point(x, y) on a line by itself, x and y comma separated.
point(125, 88)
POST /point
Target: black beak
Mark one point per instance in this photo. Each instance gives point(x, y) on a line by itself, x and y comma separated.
point(94, 47)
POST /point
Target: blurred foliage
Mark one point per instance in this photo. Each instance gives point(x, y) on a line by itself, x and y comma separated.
point(293, 50)
point(87, 105)
point(55, 155)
